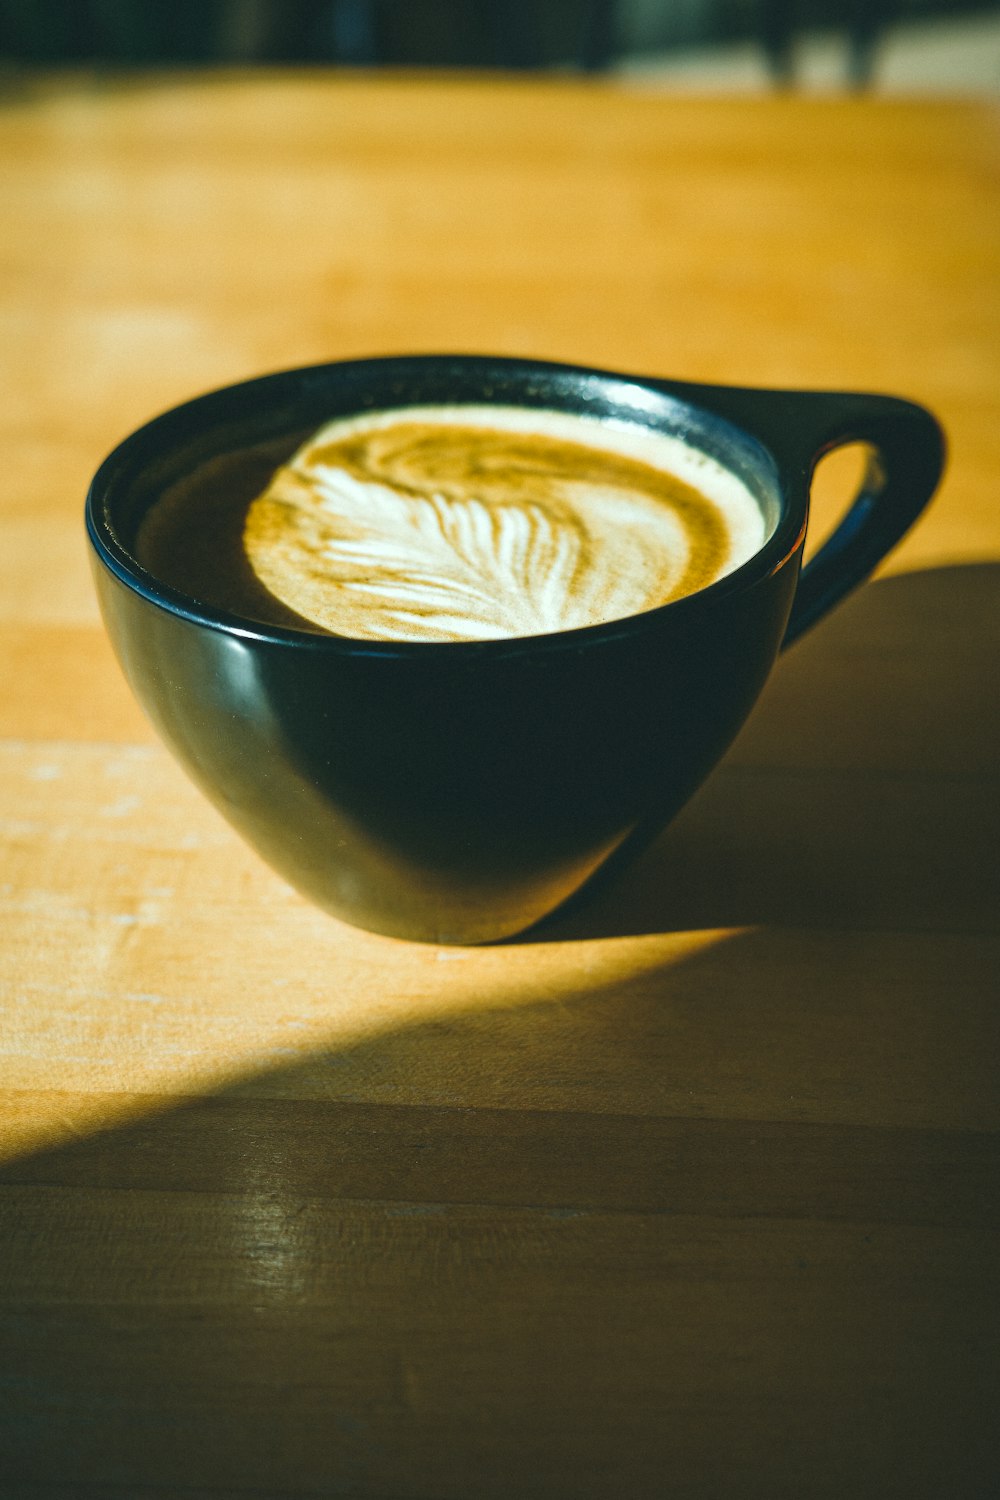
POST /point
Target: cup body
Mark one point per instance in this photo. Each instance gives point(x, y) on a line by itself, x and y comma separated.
point(454, 793)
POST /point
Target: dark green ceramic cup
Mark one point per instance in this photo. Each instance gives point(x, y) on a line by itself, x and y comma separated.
point(460, 792)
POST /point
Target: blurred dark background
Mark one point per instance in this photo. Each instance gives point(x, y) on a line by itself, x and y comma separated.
point(584, 34)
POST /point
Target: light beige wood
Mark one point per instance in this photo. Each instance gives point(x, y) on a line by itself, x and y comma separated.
point(691, 1193)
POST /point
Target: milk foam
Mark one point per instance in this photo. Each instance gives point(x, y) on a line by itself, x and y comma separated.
point(453, 523)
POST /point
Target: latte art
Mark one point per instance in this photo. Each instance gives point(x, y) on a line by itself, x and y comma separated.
point(477, 523)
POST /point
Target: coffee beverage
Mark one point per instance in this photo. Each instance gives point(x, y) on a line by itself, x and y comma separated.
point(454, 524)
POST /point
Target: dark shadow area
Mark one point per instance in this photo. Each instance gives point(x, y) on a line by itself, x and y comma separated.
point(516, 34)
point(729, 1219)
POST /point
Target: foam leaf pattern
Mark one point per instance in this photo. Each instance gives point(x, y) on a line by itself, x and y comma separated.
point(437, 532)
point(452, 567)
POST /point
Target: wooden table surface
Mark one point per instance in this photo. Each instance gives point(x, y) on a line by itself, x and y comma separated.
point(691, 1195)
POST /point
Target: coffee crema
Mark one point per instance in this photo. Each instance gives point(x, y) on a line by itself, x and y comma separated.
point(461, 523)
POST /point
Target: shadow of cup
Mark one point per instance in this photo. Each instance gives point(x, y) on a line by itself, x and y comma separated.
point(862, 791)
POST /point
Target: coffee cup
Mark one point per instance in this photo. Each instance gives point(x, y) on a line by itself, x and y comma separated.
point(449, 771)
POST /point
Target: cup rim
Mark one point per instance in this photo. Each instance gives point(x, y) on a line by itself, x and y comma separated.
point(636, 392)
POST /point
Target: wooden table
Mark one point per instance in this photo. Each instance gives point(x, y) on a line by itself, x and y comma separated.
point(693, 1195)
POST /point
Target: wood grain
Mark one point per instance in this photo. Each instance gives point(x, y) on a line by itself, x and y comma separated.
point(692, 1192)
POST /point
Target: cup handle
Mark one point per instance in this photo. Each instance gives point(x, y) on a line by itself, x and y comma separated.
point(799, 428)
